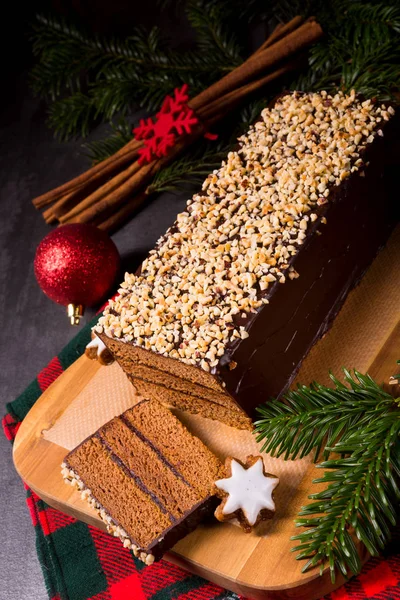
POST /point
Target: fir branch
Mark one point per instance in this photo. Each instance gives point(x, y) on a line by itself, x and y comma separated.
point(361, 495)
point(253, 10)
point(187, 171)
point(99, 150)
point(71, 115)
point(57, 41)
point(207, 19)
point(60, 48)
point(316, 416)
point(285, 10)
point(375, 72)
point(360, 50)
point(115, 74)
point(365, 23)
point(356, 425)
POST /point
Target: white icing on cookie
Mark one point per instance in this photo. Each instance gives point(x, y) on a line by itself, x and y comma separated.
point(97, 343)
point(249, 490)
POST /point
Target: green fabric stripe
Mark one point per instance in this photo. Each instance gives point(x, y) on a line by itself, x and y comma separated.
point(52, 572)
point(179, 587)
point(139, 564)
point(68, 557)
point(45, 561)
point(78, 562)
point(21, 405)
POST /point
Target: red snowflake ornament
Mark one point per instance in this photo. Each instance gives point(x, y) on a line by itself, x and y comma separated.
point(174, 118)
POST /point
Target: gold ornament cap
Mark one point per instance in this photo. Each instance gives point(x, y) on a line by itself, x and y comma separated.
point(75, 312)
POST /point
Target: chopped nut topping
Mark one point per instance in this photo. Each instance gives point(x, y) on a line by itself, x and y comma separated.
point(237, 239)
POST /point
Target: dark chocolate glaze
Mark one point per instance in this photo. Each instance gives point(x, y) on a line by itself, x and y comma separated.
point(360, 216)
point(186, 524)
point(360, 213)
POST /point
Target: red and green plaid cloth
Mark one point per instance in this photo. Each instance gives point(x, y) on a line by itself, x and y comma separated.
point(80, 562)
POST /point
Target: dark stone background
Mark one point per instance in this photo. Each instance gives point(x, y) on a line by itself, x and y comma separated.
point(33, 328)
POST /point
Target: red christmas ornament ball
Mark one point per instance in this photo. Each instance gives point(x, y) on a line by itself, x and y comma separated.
point(76, 264)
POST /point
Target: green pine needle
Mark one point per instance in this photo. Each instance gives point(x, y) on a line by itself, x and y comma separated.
point(316, 416)
point(116, 75)
point(356, 427)
point(360, 50)
point(99, 150)
point(207, 19)
point(75, 113)
point(187, 172)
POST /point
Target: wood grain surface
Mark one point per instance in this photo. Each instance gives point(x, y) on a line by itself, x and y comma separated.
point(256, 566)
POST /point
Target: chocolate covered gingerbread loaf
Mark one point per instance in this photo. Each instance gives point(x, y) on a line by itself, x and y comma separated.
point(150, 480)
point(250, 276)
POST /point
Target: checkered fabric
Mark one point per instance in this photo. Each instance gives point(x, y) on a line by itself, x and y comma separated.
point(81, 562)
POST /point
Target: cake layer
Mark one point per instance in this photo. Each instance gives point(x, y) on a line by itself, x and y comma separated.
point(176, 390)
point(119, 492)
point(149, 492)
point(185, 452)
point(179, 384)
point(175, 493)
point(255, 270)
point(191, 404)
point(129, 356)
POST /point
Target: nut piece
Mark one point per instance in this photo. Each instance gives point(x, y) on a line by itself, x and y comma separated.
point(97, 350)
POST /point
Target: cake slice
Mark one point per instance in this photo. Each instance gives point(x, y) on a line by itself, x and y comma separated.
point(185, 401)
point(253, 273)
point(150, 480)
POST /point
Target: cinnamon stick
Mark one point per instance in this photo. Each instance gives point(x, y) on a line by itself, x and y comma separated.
point(54, 195)
point(282, 49)
point(70, 200)
point(233, 98)
point(50, 215)
point(126, 210)
point(114, 221)
point(280, 31)
point(116, 197)
point(212, 113)
point(138, 181)
point(101, 192)
point(99, 171)
point(81, 200)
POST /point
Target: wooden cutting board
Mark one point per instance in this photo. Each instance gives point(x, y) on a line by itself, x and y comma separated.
point(365, 335)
